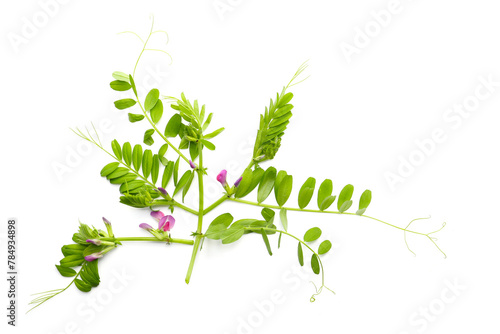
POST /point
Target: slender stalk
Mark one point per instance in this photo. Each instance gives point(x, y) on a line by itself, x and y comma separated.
point(199, 236)
point(215, 204)
point(319, 211)
point(172, 240)
point(164, 202)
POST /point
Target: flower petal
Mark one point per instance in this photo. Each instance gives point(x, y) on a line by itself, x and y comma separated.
point(157, 215)
point(237, 183)
point(146, 226)
point(162, 222)
point(93, 257)
point(222, 177)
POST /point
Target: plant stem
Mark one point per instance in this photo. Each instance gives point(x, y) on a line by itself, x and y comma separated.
point(215, 204)
point(172, 240)
point(164, 202)
point(199, 236)
point(319, 211)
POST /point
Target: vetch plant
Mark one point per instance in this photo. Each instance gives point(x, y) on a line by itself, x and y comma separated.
point(154, 180)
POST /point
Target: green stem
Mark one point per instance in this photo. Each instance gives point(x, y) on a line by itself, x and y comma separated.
point(215, 204)
point(172, 240)
point(164, 202)
point(199, 236)
point(319, 211)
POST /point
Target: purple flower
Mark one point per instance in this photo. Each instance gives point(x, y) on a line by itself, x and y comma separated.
point(96, 242)
point(107, 222)
point(237, 183)
point(193, 166)
point(93, 256)
point(165, 223)
point(222, 177)
point(146, 226)
point(163, 191)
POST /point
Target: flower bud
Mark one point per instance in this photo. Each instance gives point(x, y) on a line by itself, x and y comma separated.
point(93, 256)
point(145, 226)
point(237, 183)
point(193, 166)
point(222, 177)
point(96, 242)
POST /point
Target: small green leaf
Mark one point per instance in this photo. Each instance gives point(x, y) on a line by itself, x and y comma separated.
point(127, 153)
point(213, 134)
point(232, 234)
point(121, 76)
point(66, 272)
point(157, 112)
point(147, 163)
point(120, 86)
point(151, 99)
point(124, 178)
point(109, 168)
point(176, 170)
point(306, 192)
point(163, 150)
point(207, 122)
point(187, 186)
point(120, 171)
point(73, 249)
point(325, 190)
point(266, 241)
point(167, 174)
point(285, 189)
point(137, 157)
point(268, 215)
point(148, 139)
point(300, 254)
point(315, 264)
point(245, 183)
point(279, 178)
point(267, 184)
point(284, 219)
point(364, 201)
point(82, 286)
point(71, 261)
point(208, 144)
point(125, 103)
point(173, 126)
point(324, 247)
point(193, 150)
point(132, 83)
point(155, 169)
point(327, 202)
point(117, 149)
point(218, 226)
point(135, 117)
point(131, 187)
point(182, 182)
point(345, 197)
point(285, 99)
point(312, 234)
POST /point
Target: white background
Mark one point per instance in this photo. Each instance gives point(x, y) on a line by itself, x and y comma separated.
point(352, 122)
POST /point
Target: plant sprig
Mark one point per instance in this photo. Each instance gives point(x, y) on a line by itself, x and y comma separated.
point(149, 179)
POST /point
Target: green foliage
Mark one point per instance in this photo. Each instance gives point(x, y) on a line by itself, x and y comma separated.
point(266, 184)
point(306, 192)
point(344, 202)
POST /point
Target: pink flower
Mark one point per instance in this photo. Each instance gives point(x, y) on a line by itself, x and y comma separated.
point(146, 226)
point(193, 166)
point(165, 222)
point(222, 177)
point(93, 256)
point(237, 183)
